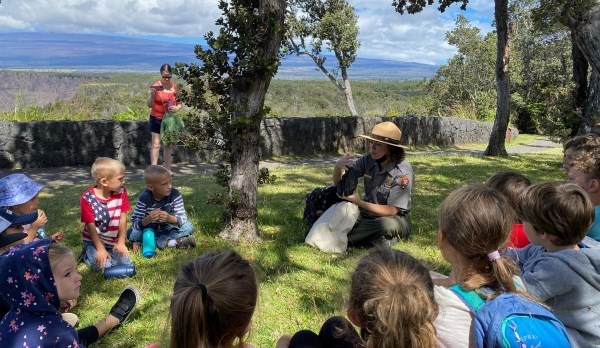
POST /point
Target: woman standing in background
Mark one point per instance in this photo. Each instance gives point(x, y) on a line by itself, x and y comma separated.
point(161, 99)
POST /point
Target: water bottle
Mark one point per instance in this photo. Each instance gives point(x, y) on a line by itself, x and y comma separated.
point(169, 104)
point(148, 242)
point(120, 271)
point(41, 232)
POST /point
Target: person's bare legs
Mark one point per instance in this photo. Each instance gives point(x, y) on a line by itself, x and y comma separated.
point(168, 156)
point(154, 148)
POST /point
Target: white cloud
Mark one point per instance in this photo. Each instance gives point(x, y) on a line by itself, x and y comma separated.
point(384, 33)
point(174, 18)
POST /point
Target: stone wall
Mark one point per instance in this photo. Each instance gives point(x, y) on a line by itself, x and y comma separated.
point(69, 143)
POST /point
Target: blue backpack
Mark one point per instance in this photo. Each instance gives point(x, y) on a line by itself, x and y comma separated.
point(510, 320)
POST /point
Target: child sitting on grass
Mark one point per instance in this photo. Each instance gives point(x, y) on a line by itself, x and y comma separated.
point(213, 301)
point(160, 206)
point(42, 275)
point(512, 185)
point(391, 301)
point(11, 234)
point(584, 170)
point(104, 208)
point(20, 195)
point(585, 142)
point(557, 268)
point(474, 224)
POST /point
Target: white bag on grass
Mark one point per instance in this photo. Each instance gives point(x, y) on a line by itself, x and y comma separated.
point(330, 232)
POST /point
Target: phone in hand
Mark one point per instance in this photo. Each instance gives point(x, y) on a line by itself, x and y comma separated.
point(157, 88)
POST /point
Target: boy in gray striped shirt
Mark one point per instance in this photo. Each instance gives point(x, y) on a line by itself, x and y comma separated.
point(160, 207)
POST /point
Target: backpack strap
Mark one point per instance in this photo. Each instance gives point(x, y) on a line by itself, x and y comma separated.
point(471, 298)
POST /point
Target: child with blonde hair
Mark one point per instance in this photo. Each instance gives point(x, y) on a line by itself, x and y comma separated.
point(104, 208)
point(40, 276)
point(160, 207)
point(391, 301)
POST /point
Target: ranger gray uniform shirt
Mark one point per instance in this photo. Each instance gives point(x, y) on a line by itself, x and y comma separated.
point(390, 185)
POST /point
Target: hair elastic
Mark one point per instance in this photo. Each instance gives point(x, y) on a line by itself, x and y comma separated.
point(203, 289)
point(494, 255)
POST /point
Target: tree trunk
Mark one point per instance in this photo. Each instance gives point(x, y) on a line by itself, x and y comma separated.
point(496, 145)
point(590, 120)
point(247, 99)
point(348, 93)
point(585, 32)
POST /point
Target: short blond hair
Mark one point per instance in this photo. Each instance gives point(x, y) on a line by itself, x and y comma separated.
point(104, 167)
point(153, 172)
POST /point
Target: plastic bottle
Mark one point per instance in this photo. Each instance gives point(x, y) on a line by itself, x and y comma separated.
point(41, 232)
point(169, 104)
point(148, 242)
point(121, 271)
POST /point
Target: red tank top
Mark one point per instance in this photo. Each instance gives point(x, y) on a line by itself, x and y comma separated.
point(159, 108)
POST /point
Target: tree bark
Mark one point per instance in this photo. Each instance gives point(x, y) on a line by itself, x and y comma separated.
point(247, 100)
point(496, 145)
point(590, 119)
point(348, 93)
point(585, 32)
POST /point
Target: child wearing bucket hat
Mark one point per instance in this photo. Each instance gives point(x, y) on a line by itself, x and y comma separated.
point(388, 182)
point(19, 194)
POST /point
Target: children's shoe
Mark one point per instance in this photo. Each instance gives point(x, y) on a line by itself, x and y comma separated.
point(125, 304)
point(185, 242)
point(70, 318)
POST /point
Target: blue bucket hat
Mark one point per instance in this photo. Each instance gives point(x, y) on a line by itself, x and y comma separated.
point(17, 189)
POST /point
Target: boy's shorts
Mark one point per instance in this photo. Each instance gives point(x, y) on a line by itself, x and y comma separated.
point(155, 124)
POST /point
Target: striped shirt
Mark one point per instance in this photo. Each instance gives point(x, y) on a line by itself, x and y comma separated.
point(105, 213)
point(172, 204)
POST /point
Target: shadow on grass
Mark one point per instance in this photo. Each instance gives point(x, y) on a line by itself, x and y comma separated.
point(300, 286)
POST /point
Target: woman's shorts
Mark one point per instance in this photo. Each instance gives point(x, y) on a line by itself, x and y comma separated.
point(155, 124)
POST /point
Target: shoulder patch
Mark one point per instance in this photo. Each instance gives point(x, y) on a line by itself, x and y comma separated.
point(403, 181)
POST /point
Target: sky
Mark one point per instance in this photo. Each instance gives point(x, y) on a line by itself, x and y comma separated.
point(384, 33)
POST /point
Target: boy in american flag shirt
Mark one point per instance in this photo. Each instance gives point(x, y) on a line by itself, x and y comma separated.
point(104, 209)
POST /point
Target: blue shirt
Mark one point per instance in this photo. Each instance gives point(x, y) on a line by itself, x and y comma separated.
point(594, 231)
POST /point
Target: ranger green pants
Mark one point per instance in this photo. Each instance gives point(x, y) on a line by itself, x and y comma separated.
point(368, 230)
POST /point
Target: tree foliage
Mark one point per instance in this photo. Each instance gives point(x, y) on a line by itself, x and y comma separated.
point(497, 138)
point(466, 85)
point(313, 24)
point(542, 92)
point(231, 85)
point(542, 97)
point(416, 6)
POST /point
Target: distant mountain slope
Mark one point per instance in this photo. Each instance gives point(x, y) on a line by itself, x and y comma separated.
point(85, 52)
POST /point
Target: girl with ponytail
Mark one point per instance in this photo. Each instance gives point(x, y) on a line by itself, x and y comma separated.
point(213, 301)
point(391, 301)
point(474, 224)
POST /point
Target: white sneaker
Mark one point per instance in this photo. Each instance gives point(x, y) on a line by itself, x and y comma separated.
point(70, 318)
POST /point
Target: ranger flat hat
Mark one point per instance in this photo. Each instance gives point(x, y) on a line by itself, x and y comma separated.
point(386, 133)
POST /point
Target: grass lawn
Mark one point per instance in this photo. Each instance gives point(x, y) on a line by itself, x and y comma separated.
point(299, 286)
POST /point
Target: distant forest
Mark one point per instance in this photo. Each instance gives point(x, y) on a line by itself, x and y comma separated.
point(35, 95)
